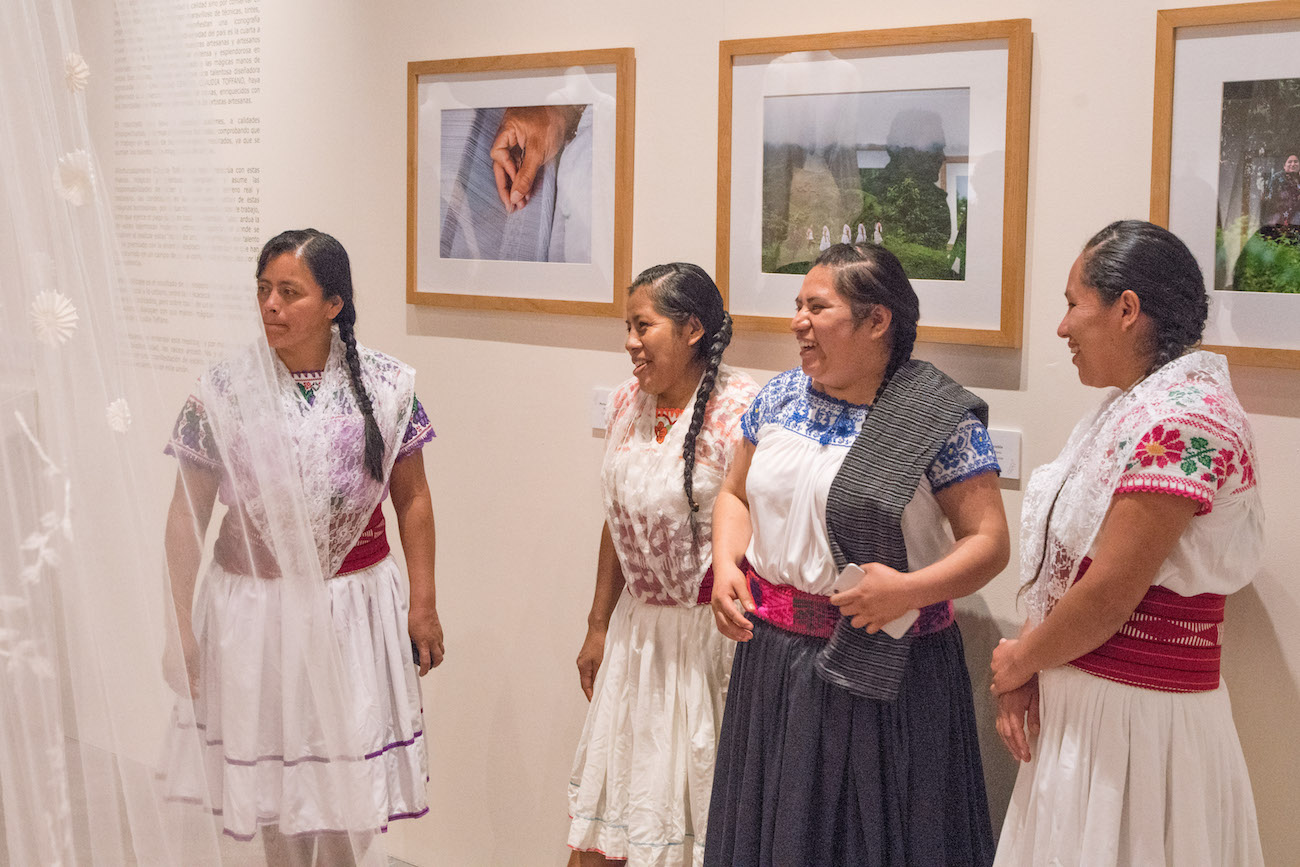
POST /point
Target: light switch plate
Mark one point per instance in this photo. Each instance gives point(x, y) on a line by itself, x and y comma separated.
point(1007, 445)
point(599, 400)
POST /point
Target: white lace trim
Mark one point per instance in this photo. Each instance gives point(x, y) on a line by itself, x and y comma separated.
point(1076, 488)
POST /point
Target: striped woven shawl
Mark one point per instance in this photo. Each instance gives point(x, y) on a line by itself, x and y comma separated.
point(914, 416)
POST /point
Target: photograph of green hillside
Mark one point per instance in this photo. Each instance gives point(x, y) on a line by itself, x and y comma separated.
point(886, 167)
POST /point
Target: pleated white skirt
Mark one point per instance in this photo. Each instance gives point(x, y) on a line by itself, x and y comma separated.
point(252, 748)
point(644, 766)
point(1128, 776)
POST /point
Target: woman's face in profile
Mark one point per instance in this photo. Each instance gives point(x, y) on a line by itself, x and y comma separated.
point(1091, 328)
point(294, 309)
point(662, 352)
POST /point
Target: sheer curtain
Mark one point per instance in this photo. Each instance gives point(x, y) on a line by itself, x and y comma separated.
point(89, 387)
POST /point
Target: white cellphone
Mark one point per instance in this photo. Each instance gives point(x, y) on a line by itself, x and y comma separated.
point(849, 577)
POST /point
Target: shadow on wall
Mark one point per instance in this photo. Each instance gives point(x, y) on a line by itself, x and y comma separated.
point(599, 333)
point(1265, 690)
point(1267, 390)
point(980, 632)
point(972, 366)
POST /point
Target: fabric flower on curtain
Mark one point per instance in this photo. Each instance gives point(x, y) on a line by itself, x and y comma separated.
point(118, 415)
point(74, 179)
point(53, 318)
point(76, 72)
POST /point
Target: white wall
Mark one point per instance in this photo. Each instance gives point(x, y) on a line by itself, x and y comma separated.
point(514, 470)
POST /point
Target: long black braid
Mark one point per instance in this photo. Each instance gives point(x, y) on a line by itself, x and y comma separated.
point(682, 291)
point(329, 265)
point(712, 360)
point(866, 275)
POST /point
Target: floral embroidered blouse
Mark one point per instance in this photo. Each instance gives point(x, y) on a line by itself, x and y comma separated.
point(1181, 431)
point(802, 436)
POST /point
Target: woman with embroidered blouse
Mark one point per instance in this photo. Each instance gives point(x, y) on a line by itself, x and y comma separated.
point(304, 441)
point(863, 498)
point(652, 665)
point(1130, 539)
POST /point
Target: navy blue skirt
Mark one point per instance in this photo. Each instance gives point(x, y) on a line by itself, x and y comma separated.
point(807, 774)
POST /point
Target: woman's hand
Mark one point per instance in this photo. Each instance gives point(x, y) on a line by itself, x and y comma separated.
point(1009, 670)
point(729, 587)
point(1018, 710)
point(883, 595)
point(589, 659)
point(426, 632)
point(181, 663)
point(529, 137)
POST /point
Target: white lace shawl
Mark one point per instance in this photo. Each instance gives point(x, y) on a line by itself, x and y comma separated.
point(280, 454)
point(1075, 490)
point(645, 504)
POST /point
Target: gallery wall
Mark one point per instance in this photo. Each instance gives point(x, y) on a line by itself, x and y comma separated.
point(514, 469)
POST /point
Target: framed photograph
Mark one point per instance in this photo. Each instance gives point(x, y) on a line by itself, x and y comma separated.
point(1225, 167)
point(519, 181)
point(916, 139)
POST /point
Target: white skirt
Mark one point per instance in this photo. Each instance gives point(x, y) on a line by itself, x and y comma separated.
point(251, 748)
point(643, 772)
point(1128, 776)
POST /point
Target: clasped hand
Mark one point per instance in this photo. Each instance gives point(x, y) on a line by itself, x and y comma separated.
point(529, 137)
point(881, 596)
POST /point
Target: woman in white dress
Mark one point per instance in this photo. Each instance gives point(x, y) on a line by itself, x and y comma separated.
point(1130, 540)
point(273, 756)
point(652, 665)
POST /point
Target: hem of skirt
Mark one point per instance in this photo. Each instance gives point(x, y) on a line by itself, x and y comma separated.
point(687, 839)
point(289, 763)
point(272, 820)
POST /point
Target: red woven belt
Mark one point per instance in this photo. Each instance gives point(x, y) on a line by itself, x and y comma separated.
point(1170, 643)
point(371, 547)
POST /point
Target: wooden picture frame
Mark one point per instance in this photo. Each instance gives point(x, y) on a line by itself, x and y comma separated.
point(469, 243)
point(758, 217)
point(1209, 189)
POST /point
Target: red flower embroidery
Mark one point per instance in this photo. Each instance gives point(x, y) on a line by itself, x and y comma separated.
point(1160, 447)
point(1224, 466)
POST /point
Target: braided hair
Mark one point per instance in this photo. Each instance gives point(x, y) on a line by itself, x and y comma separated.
point(1161, 271)
point(866, 275)
point(328, 263)
point(681, 291)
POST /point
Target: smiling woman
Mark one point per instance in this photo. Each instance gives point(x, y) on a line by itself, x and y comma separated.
point(862, 457)
point(1130, 541)
point(652, 665)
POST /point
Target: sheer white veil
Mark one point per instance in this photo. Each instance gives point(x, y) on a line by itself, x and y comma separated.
point(92, 376)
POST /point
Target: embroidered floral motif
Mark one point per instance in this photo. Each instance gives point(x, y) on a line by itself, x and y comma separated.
point(1199, 454)
point(789, 401)
point(1159, 447)
point(192, 436)
point(664, 420)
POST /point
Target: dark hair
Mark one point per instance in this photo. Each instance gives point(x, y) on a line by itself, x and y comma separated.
point(1161, 271)
point(866, 275)
point(328, 263)
point(681, 291)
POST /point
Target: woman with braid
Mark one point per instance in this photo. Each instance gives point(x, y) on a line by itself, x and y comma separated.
point(862, 499)
point(652, 666)
point(267, 760)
